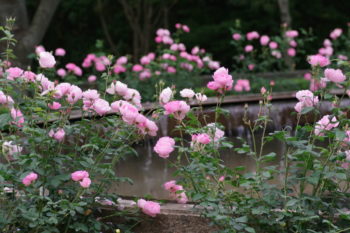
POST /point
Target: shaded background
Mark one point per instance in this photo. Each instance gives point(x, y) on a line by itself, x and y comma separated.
point(76, 25)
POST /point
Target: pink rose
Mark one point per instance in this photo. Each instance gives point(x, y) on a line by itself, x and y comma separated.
point(85, 183)
point(79, 175)
point(177, 108)
point(187, 93)
point(61, 72)
point(264, 40)
point(334, 75)
point(164, 146)
point(46, 60)
point(101, 107)
point(252, 35)
point(318, 60)
point(165, 96)
point(291, 52)
point(248, 48)
point(57, 134)
point(54, 106)
point(60, 52)
point(150, 208)
point(92, 78)
point(236, 36)
point(291, 33)
point(27, 180)
point(273, 45)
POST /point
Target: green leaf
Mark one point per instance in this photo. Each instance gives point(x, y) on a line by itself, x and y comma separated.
point(242, 219)
point(249, 229)
point(307, 110)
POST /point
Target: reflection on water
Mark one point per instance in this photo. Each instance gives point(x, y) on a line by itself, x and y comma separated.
point(149, 171)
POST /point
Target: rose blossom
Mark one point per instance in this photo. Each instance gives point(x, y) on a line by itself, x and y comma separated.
point(165, 96)
point(264, 40)
point(28, 179)
point(79, 175)
point(150, 208)
point(318, 60)
point(177, 108)
point(57, 134)
point(46, 60)
point(334, 75)
point(164, 146)
point(187, 93)
point(60, 52)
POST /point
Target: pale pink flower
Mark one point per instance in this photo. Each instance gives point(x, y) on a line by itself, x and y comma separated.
point(145, 74)
point(252, 35)
point(248, 48)
point(293, 43)
point(57, 134)
point(54, 106)
point(187, 93)
point(101, 107)
point(5, 99)
point(242, 85)
point(273, 45)
point(92, 78)
point(46, 60)
point(74, 94)
point(291, 52)
point(336, 33)
point(165, 96)
point(79, 175)
point(318, 60)
point(89, 97)
point(164, 146)
point(150, 208)
point(85, 183)
point(202, 138)
point(201, 97)
point(251, 67)
point(13, 73)
point(334, 75)
point(342, 57)
point(327, 43)
point(177, 108)
point(222, 81)
point(39, 49)
point(308, 76)
point(276, 54)
point(62, 89)
point(28, 179)
point(137, 68)
point(185, 28)
point(122, 60)
point(78, 71)
point(291, 33)
point(236, 36)
point(60, 52)
point(61, 72)
point(171, 69)
point(17, 116)
point(264, 40)
point(325, 124)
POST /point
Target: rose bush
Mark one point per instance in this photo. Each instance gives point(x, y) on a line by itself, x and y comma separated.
point(55, 173)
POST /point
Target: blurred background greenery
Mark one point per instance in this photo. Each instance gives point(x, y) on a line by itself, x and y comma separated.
point(77, 24)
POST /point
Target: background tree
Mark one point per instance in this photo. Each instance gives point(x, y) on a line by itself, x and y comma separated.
point(29, 33)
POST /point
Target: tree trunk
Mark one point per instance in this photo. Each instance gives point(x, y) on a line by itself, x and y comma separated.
point(284, 12)
point(36, 31)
